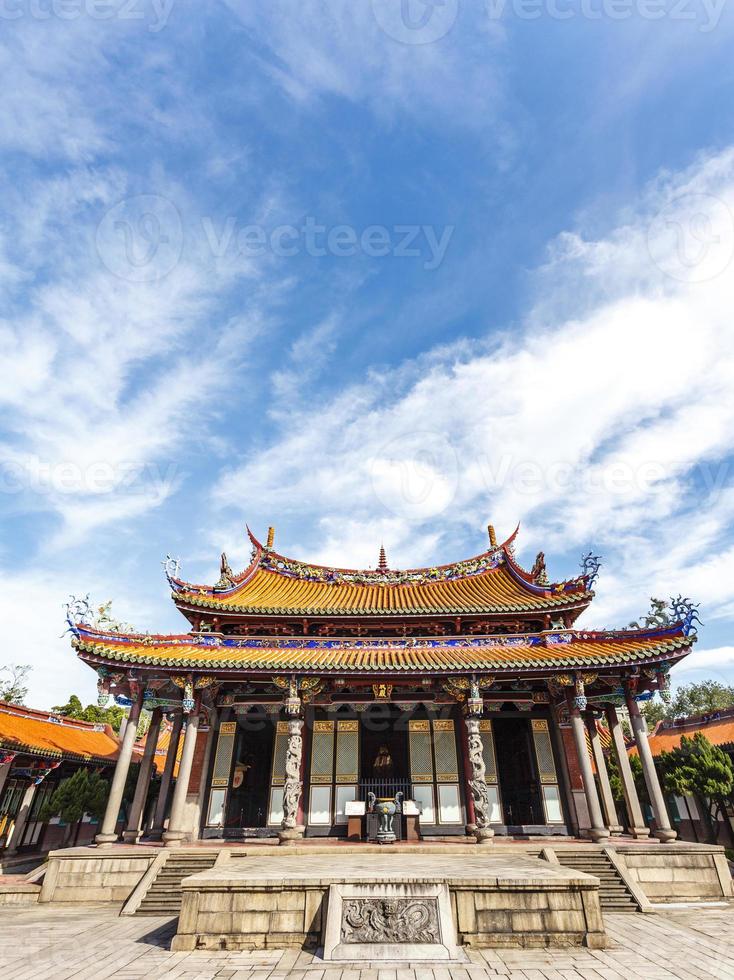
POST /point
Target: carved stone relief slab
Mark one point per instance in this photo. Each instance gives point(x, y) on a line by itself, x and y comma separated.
point(389, 921)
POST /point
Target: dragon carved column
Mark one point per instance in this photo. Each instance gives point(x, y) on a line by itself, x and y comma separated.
point(477, 782)
point(293, 787)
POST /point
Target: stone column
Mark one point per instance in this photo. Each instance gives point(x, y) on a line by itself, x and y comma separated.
point(162, 802)
point(605, 787)
point(471, 817)
point(290, 830)
point(5, 768)
point(477, 783)
point(637, 826)
point(175, 833)
point(131, 833)
point(664, 832)
point(598, 831)
point(107, 833)
point(22, 818)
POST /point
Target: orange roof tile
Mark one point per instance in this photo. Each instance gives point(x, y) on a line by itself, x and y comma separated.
point(45, 733)
point(492, 582)
point(719, 731)
point(567, 649)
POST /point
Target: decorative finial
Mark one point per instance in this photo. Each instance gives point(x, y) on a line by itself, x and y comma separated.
point(492, 536)
point(382, 563)
point(271, 538)
point(226, 578)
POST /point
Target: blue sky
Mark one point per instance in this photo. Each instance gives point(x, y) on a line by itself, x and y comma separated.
point(370, 271)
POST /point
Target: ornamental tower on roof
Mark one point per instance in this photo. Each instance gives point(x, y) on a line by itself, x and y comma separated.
point(465, 689)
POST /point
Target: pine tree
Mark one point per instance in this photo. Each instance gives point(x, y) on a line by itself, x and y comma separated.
point(698, 768)
point(81, 793)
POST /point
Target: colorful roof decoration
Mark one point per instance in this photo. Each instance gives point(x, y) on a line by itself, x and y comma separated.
point(717, 726)
point(492, 582)
point(548, 651)
point(47, 734)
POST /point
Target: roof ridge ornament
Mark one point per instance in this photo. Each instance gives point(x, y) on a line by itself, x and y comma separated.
point(226, 575)
point(590, 565)
point(686, 612)
point(78, 613)
point(382, 561)
point(172, 568)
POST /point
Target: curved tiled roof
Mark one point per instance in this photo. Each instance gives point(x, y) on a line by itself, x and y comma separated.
point(53, 736)
point(551, 651)
point(490, 583)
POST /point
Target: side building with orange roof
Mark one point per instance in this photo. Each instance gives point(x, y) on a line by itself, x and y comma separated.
point(39, 749)
point(685, 811)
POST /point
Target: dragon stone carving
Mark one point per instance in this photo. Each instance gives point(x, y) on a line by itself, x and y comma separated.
point(293, 786)
point(396, 920)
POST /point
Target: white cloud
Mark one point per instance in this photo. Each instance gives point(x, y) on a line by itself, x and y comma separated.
point(600, 422)
point(358, 51)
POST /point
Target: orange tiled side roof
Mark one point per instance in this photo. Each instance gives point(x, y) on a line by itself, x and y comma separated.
point(567, 649)
point(27, 730)
point(719, 731)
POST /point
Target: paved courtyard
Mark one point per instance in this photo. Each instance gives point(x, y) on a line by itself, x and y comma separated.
point(95, 943)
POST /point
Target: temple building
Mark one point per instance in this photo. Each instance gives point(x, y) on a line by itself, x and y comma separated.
point(303, 692)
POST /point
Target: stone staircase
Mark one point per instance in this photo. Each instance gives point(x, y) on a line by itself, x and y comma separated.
point(163, 896)
point(614, 895)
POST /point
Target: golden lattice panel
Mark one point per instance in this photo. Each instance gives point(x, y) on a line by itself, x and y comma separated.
point(223, 758)
point(280, 749)
point(444, 747)
point(322, 752)
point(544, 751)
point(421, 756)
point(347, 751)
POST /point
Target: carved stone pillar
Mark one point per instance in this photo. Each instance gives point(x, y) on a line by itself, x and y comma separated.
point(663, 831)
point(477, 783)
point(293, 787)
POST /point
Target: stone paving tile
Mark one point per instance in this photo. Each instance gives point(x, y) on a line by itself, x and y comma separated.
point(96, 944)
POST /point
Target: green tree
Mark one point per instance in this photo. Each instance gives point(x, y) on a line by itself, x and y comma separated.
point(81, 793)
point(616, 780)
point(690, 699)
point(698, 768)
point(112, 715)
point(14, 683)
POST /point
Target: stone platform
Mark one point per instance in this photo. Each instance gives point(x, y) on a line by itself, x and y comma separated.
point(496, 900)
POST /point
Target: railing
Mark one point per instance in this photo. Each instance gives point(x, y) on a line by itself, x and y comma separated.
point(384, 788)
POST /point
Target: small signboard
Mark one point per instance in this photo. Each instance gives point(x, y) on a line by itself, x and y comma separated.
point(355, 808)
